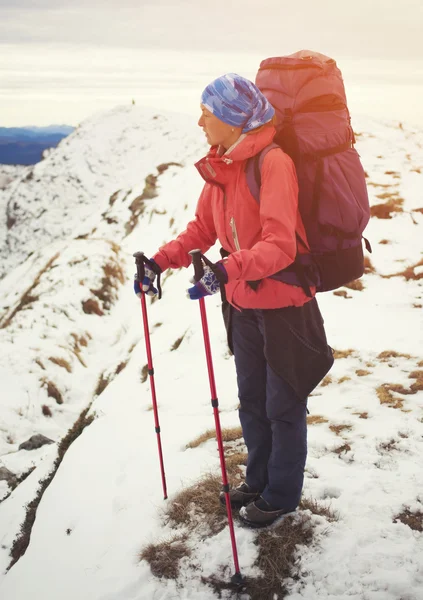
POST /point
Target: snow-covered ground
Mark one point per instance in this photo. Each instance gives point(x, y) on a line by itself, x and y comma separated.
point(70, 325)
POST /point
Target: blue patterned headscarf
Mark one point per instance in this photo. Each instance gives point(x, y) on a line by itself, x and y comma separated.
point(237, 102)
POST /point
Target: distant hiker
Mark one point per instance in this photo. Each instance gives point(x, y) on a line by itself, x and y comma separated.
point(275, 329)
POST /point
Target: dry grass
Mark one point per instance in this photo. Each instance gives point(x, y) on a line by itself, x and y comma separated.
point(362, 372)
point(120, 367)
point(355, 285)
point(362, 415)
point(164, 557)
point(387, 354)
point(344, 379)
point(178, 342)
point(198, 509)
point(368, 267)
point(138, 205)
point(342, 449)
point(46, 411)
point(384, 242)
point(102, 383)
point(91, 306)
point(326, 381)
point(40, 364)
point(113, 275)
point(408, 273)
point(386, 396)
point(233, 464)
point(342, 353)
point(198, 504)
point(277, 560)
point(338, 429)
point(388, 446)
point(317, 508)
point(414, 520)
point(53, 391)
point(144, 374)
point(79, 341)
point(230, 434)
point(61, 362)
point(393, 204)
point(316, 420)
point(342, 294)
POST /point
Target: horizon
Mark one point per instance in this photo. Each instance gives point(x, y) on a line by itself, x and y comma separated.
point(38, 91)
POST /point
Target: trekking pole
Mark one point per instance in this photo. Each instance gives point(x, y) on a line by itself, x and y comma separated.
point(237, 578)
point(140, 259)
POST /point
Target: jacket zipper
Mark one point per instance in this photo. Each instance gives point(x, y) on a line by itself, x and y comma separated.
point(235, 234)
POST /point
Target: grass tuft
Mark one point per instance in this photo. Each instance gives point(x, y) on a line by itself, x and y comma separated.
point(386, 396)
point(316, 420)
point(342, 449)
point(228, 435)
point(355, 285)
point(342, 353)
point(46, 411)
point(414, 520)
point(338, 429)
point(61, 362)
point(386, 209)
point(102, 383)
point(362, 372)
point(178, 342)
point(198, 504)
point(91, 306)
point(164, 557)
point(387, 354)
point(53, 391)
point(144, 374)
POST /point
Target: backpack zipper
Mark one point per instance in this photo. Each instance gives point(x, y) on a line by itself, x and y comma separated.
point(235, 233)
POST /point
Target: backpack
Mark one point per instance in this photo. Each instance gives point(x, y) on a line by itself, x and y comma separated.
point(314, 128)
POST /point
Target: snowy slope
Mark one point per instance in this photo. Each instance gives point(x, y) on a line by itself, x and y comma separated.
point(66, 295)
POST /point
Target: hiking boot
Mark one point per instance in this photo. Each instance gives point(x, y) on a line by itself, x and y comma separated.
point(261, 514)
point(239, 496)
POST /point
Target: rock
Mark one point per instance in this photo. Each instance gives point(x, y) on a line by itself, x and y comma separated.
point(35, 441)
point(8, 477)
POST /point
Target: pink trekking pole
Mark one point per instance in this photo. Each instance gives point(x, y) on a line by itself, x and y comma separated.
point(140, 259)
point(237, 578)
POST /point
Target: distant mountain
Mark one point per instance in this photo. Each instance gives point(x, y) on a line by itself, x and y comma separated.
point(25, 145)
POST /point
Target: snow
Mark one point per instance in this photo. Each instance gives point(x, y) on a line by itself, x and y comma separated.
point(105, 502)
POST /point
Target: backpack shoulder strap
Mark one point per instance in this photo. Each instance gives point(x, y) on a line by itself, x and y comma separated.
point(253, 171)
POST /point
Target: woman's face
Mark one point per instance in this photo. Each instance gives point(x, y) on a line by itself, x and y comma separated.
point(217, 132)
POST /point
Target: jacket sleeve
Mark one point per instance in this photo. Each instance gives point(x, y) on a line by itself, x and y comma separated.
point(199, 233)
point(277, 247)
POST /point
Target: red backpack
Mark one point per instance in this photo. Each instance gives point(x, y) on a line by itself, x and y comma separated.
point(314, 128)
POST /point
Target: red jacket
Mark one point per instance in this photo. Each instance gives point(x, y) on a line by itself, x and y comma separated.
point(260, 236)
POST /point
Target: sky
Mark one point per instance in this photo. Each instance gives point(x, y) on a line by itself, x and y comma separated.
point(61, 62)
point(378, 29)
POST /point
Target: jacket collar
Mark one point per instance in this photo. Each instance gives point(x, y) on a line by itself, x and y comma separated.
point(216, 167)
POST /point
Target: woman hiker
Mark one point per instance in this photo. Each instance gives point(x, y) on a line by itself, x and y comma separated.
point(275, 329)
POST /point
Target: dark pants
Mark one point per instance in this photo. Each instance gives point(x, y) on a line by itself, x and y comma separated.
point(273, 418)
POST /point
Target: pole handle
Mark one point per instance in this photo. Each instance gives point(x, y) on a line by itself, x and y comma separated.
point(139, 261)
point(198, 265)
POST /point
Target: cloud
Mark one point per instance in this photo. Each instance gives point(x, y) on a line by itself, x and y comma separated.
point(377, 28)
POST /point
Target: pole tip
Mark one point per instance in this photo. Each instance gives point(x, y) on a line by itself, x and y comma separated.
point(165, 498)
point(238, 580)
